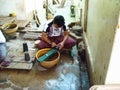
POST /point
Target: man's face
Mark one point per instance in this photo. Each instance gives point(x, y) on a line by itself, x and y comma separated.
point(56, 26)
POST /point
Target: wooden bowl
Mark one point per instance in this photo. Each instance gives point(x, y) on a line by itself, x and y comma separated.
point(9, 28)
point(48, 63)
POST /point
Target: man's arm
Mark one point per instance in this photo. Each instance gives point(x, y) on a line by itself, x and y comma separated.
point(65, 38)
point(44, 37)
point(66, 33)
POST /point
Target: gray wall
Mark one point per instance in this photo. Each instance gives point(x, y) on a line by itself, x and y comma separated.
point(101, 26)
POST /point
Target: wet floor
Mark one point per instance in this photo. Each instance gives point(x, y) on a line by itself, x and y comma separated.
point(66, 75)
point(63, 76)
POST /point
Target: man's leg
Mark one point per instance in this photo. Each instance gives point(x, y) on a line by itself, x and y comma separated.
point(2, 51)
point(70, 42)
point(42, 44)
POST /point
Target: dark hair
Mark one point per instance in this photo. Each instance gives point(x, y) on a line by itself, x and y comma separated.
point(59, 20)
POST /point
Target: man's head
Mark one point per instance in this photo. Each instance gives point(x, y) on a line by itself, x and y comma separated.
point(59, 20)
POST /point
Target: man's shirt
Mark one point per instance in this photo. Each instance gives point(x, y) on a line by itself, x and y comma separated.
point(52, 31)
point(2, 38)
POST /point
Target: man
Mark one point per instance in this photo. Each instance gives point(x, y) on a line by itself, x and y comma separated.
point(2, 47)
point(55, 34)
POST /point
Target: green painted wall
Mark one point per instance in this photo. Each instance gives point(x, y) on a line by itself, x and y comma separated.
point(101, 26)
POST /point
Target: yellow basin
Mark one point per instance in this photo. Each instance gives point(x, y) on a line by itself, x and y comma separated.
point(48, 63)
point(9, 28)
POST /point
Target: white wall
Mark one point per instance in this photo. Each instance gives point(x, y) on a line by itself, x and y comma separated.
point(101, 27)
point(113, 74)
point(22, 8)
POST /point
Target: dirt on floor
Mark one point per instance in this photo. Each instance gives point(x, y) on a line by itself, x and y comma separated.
point(63, 76)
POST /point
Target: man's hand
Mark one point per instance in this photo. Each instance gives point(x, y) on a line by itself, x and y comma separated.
point(61, 45)
point(53, 44)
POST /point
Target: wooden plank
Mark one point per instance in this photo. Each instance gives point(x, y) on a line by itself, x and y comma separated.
point(56, 1)
point(6, 19)
point(51, 10)
point(16, 65)
point(36, 18)
point(46, 8)
point(78, 38)
point(62, 3)
point(29, 29)
point(16, 55)
point(31, 35)
point(22, 23)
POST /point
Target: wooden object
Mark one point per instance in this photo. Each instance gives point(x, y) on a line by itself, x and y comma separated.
point(46, 8)
point(31, 35)
point(15, 55)
point(50, 10)
point(22, 23)
point(6, 19)
point(78, 38)
point(29, 29)
point(62, 3)
point(56, 2)
point(36, 18)
point(16, 65)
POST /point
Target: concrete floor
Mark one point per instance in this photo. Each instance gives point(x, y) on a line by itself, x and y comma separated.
point(66, 75)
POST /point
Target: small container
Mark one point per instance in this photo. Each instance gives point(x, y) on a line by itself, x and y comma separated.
point(25, 47)
point(48, 63)
point(9, 28)
point(27, 56)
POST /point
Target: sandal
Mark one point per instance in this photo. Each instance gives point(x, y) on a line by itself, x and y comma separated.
point(5, 63)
